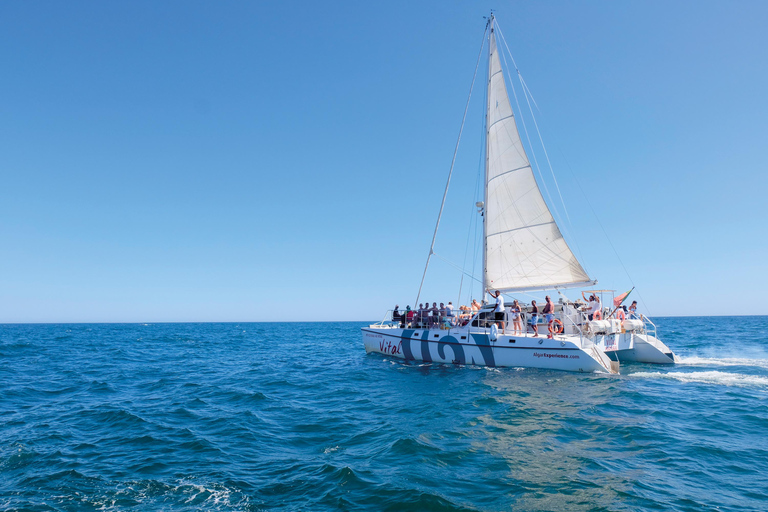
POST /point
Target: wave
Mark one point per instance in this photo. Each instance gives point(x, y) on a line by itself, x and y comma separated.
point(713, 377)
point(722, 361)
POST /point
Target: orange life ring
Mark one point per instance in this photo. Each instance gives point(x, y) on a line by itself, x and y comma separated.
point(557, 326)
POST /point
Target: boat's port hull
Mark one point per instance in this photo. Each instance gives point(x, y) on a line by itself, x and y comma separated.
point(460, 346)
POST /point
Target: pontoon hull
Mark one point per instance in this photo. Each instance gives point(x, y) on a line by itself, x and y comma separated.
point(635, 348)
point(460, 346)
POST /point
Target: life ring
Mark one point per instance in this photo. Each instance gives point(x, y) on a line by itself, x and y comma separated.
point(557, 326)
point(494, 332)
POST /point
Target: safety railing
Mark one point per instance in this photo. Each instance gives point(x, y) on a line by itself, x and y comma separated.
point(412, 319)
point(649, 326)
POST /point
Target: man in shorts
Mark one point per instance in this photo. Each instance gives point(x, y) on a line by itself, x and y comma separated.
point(499, 310)
point(549, 312)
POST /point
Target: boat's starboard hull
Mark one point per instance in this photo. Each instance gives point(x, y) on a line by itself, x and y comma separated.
point(635, 348)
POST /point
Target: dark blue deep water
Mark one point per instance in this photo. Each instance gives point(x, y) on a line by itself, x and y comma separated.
point(297, 417)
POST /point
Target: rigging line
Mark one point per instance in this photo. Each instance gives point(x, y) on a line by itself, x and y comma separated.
point(503, 39)
point(528, 91)
point(525, 86)
point(453, 161)
point(472, 221)
point(475, 217)
point(528, 137)
point(456, 267)
point(528, 94)
point(605, 233)
point(480, 178)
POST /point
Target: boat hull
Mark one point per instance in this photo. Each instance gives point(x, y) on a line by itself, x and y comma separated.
point(462, 346)
point(635, 348)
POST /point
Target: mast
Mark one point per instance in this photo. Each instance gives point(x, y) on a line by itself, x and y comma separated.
point(485, 184)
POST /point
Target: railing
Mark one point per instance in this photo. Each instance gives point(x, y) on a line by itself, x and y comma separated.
point(649, 326)
point(577, 320)
point(387, 320)
point(432, 321)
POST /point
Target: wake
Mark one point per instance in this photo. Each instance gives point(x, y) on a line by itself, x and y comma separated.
point(724, 361)
point(712, 377)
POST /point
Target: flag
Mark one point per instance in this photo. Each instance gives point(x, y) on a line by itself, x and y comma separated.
point(621, 298)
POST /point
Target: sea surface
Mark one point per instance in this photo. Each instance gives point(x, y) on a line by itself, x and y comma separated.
point(268, 416)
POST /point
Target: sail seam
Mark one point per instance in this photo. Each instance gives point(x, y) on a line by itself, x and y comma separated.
point(507, 172)
point(500, 120)
point(522, 227)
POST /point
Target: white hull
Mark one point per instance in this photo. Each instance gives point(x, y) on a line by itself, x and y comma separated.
point(636, 348)
point(464, 345)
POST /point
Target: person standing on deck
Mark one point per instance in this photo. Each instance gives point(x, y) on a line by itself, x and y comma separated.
point(499, 310)
point(591, 305)
point(549, 311)
point(516, 310)
point(535, 318)
point(597, 309)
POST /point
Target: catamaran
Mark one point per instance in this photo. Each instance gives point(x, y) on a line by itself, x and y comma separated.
point(523, 251)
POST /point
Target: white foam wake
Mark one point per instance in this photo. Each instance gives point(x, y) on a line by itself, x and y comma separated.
point(722, 361)
point(714, 377)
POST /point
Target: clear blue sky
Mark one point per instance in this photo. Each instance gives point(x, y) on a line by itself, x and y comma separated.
point(236, 161)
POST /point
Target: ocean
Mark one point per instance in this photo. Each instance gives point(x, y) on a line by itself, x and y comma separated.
point(296, 416)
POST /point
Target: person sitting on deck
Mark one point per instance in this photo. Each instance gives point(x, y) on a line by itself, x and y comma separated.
point(409, 316)
point(499, 311)
point(396, 315)
point(425, 316)
point(535, 318)
point(420, 316)
point(449, 313)
point(435, 319)
point(549, 311)
point(620, 315)
point(475, 306)
point(633, 310)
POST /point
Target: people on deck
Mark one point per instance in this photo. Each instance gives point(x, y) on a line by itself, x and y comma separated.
point(516, 310)
point(633, 310)
point(549, 312)
point(465, 314)
point(422, 316)
point(499, 311)
point(475, 306)
point(591, 304)
point(535, 318)
point(596, 309)
point(396, 315)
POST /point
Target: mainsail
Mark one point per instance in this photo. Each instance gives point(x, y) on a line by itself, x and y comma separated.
point(524, 249)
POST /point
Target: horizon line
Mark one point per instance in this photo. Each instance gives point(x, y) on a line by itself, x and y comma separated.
point(293, 321)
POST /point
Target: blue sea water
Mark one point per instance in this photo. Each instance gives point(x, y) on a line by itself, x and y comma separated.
point(267, 416)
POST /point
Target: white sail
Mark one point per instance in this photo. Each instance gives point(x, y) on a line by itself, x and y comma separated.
point(524, 249)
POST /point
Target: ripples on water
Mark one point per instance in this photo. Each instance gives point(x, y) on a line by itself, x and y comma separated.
point(298, 417)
